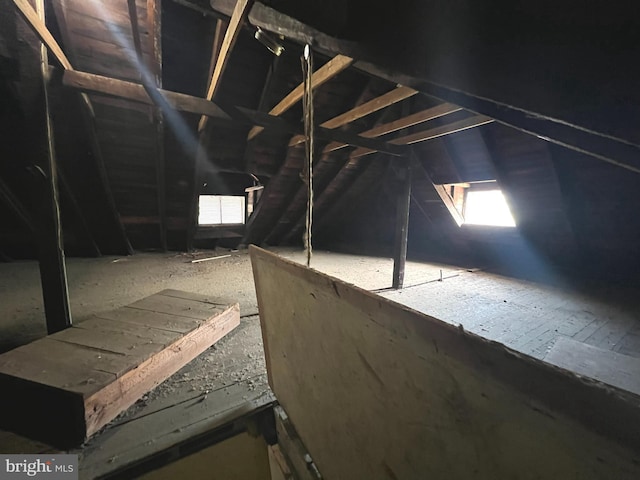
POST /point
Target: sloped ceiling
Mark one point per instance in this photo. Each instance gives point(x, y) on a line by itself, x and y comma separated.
point(495, 61)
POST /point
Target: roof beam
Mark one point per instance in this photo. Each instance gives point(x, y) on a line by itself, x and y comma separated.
point(89, 118)
point(180, 101)
point(268, 121)
point(40, 29)
point(66, 188)
point(15, 205)
point(432, 133)
point(154, 27)
point(150, 77)
point(442, 192)
point(616, 151)
point(89, 82)
point(325, 73)
point(404, 122)
point(454, 127)
point(238, 16)
point(53, 271)
point(394, 96)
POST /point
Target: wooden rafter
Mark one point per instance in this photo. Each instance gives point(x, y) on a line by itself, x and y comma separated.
point(621, 152)
point(325, 73)
point(291, 208)
point(90, 82)
point(218, 37)
point(154, 16)
point(404, 122)
point(41, 30)
point(150, 76)
point(394, 96)
point(179, 101)
point(431, 133)
point(10, 199)
point(66, 188)
point(39, 27)
point(222, 57)
point(53, 272)
point(440, 190)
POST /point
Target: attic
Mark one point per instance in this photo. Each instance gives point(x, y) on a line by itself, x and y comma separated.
point(147, 144)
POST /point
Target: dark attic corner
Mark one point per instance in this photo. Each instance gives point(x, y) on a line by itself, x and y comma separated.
point(299, 240)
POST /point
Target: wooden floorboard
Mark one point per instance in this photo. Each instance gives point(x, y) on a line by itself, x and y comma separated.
point(527, 316)
point(160, 321)
point(93, 371)
point(609, 367)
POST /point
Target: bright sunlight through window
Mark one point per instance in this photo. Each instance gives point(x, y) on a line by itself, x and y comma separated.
point(221, 210)
point(487, 207)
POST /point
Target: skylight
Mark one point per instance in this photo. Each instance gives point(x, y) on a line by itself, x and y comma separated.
point(487, 207)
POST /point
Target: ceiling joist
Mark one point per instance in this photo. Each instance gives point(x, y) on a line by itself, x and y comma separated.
point(89, 82)
point(231, 35)
point(432, 133)
point(404, 122)
point(40, 29)
point(394, 96)
point(325, 73)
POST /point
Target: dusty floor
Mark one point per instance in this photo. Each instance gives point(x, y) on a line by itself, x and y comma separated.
point(524, 315)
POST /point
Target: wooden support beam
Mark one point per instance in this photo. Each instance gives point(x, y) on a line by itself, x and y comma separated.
point(89, 82)
point(266, 88)
point(40, 29)
point(66, 188)
point(394, 96)
point(268, 121)
point(135, 29)
point(150, 76)
point(404, 122)
point(218, 37)
point(598, 144)
point(325, 73)
point(240, 12)
point(440, 190)
point(402, 226)
point(179, 101)
point(454, 127)
point(347, 170)
point(53, 272)
point(432, 133)
point(89, 120)
point(15, 205)
point(219, 58)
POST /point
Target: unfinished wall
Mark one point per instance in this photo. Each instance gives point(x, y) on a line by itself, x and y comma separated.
point(376, 390)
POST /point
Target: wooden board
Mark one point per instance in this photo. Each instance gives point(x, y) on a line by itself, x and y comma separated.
point(377, 390)
point(615, 369)
point(65, 387)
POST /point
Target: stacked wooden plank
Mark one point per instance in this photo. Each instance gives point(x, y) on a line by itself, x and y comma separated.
point(65, 387)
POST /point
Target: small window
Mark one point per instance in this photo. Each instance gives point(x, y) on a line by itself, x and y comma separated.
point(479, 203)
point(221, 210)
point(487, 207)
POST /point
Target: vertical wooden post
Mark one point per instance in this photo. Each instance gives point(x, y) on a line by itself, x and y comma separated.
point(402, 226)
point(154, 27)
point(53, 272)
